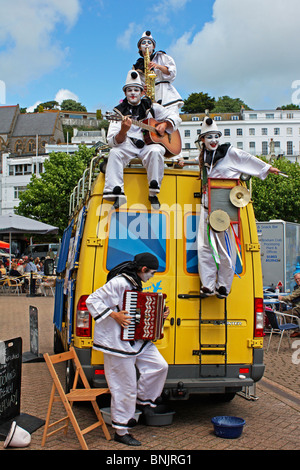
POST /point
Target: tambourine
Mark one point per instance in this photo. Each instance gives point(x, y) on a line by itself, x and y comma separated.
point(219, 220)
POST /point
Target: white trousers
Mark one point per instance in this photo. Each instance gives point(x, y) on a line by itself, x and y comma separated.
point(210, 276)
point(152, 157)
point(126, 390)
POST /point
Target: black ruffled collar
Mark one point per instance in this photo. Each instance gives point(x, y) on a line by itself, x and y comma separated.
point(219, 154)
point(138, 112)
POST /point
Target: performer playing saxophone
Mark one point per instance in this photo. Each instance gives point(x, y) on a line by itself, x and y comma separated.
point(165, 70)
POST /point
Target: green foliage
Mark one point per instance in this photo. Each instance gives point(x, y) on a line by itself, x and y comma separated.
point(47, 197)
point(277, 197)
point(72, 105)
point(225, 104)
point(198, 103)
point(289, 106)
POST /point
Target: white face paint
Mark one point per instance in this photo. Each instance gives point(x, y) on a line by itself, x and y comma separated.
point(211, 141)
point(146, 276)
point(133, 94)
point(147, 43)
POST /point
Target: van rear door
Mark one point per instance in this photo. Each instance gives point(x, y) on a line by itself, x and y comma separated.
point(240, 302)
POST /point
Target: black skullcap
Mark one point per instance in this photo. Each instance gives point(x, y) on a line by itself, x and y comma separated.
point(209, 121)
point(146, 259)
point(134, 75)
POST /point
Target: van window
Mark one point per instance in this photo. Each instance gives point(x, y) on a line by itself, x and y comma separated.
point(191, 226)
point(136, 232)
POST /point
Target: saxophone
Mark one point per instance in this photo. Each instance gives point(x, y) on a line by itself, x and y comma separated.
point(150, 77)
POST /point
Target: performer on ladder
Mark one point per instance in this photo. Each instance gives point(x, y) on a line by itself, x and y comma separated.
point(122, 358)
point(127, 141)
point(220, 161)
point(165, 69)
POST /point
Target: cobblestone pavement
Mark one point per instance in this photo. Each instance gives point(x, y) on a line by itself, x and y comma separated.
point(272, 419)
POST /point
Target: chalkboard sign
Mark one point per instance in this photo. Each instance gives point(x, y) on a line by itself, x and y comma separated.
point(49, 267)
point(10, 378)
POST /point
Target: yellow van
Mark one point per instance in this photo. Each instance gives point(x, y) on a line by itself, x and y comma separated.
point(212, 345)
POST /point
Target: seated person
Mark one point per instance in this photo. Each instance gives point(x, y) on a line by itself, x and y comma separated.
point(127, 142)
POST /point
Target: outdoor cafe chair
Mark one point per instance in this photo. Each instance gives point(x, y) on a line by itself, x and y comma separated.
point(279, 324)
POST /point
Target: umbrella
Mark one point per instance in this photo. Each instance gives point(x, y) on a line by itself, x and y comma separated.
point(13, 223)
point(4, 244)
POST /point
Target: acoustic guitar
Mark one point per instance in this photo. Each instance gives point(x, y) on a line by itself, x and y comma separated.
point(171, 142)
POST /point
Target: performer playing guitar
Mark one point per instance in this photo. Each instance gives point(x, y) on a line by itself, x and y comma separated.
point(127, 141)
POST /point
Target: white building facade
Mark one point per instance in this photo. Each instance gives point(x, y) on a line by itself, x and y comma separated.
point(265, 132)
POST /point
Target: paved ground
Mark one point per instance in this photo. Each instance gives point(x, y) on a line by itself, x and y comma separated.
point(272, 420)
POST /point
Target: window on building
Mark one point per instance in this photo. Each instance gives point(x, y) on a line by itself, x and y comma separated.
point(18, 146)
point(251, 131)
point(264, 148)
point(239, 145)
point(269, 115)
point(31, 146)
point(187, 133)
point(18, 190)
point(252, 116)
point(264, 131)
point(239, 132)
point(252, 148)
point(289, 131)
point(198, 131)
point(289, 147)
point(227, 132)
point(289, 115)
point(187, 145)
point(276, 131)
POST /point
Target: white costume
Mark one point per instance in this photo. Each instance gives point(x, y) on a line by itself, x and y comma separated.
point(152, 155)
point(121, 358)
point(165, 92)
point(224, 162)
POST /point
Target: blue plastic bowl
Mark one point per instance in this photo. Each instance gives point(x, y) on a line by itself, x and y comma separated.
point(228, 427)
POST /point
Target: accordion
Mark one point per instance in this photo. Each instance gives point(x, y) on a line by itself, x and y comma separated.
point(147, 315)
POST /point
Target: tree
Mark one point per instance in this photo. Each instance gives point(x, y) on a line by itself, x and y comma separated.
point(72, 105)
point(225, 104)
point(47, 197)
point(47, 105)
point(289, 106)
point(277, 197)
point(198, 103)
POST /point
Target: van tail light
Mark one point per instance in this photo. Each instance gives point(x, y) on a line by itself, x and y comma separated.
point(258, 317)
point(83, 318)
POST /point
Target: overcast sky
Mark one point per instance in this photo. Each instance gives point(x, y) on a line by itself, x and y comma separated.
point(83, 49)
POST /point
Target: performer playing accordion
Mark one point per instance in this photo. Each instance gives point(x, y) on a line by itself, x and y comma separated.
point(121, 358)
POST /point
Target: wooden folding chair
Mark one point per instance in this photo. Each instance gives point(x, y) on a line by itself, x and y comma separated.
point(76, 394)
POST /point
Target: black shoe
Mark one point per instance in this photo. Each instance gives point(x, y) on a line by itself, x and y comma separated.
point(127, 439)
point(221, 292)
point(116, 204)
point(146, 410)
point(154, 202)
point(205, 292)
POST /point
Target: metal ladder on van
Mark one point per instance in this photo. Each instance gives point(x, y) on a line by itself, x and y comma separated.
point(209, 349)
